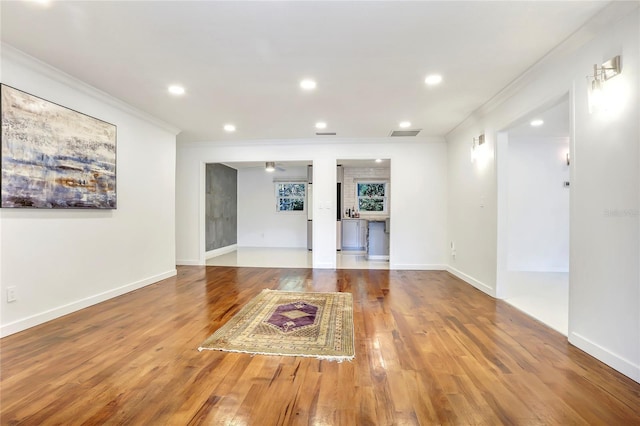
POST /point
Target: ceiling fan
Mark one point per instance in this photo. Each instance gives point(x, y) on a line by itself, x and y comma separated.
point(271, 166)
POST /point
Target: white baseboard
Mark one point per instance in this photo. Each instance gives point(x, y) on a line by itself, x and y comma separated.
point(470, 280)
point(48, 315)
point(614, 361)
point(220, 251)
point(183, 262)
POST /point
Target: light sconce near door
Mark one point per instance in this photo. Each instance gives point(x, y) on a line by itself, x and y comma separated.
point(270, 166)
point(475, 147)
point(598, 99)
point(568, 160)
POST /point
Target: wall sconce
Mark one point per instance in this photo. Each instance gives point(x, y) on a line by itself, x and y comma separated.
point(270, 166)
point(568, 160)
point(475, 147)
point(597, 95)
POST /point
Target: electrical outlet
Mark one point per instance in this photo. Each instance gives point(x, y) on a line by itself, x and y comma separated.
point(11, 294)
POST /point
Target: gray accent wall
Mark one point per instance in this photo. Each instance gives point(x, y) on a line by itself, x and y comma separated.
point(221, 228)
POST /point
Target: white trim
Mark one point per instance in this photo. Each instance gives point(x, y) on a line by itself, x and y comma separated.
point(502, 212)
point(202, 213)
point(49, 71)
point(385, 198)
point(51, 314)
point(470, 280)
point(608, 15)
point(304, 198)
point(310, 141)
point(614, 361)
point(220, 251)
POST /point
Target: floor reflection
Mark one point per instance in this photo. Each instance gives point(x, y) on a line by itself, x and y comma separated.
point(276, 257)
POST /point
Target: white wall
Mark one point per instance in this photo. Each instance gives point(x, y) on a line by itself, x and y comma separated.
point(538, 205)
point(604, 301)
point(418, 188)
point(259, 224)
point(64, 260)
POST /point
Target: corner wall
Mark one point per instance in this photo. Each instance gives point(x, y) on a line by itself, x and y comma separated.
point(222, 206)
point(604, 288)
point(61, 261)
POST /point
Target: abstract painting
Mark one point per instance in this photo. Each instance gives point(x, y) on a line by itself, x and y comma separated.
point(54, 157)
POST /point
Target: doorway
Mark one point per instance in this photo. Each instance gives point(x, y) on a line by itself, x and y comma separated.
point(363, 214)
point(533, 219)
point(271, 208)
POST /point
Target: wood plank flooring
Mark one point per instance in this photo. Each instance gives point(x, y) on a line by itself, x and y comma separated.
point(430, 350)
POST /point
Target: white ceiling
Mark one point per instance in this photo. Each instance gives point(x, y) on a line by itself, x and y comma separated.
point(241, 62)
point(555, 122)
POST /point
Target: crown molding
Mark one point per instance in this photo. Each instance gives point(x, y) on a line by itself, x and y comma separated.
point(11, 53)
point(611, 13)
point(312, 141)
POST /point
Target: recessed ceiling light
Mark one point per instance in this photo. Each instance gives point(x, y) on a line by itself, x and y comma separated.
point(378, 160)
point(433, 79)
point(229, 128)
point(537, 122)
point(321, 125)
point(308, 84)
point(405, 124)
point(176, 90)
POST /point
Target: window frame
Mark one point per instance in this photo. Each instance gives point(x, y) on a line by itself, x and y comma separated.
point(385, 198)
point(278, 197)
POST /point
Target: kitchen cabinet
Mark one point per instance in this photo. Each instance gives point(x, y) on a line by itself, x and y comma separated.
point(378, 248)
point(354, 234)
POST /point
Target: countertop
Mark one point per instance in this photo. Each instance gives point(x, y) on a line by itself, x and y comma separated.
point(368, 218)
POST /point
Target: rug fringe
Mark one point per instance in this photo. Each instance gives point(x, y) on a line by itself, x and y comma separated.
point(330, 358)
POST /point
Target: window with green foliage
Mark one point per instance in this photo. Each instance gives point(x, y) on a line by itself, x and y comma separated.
point(372, 197)
point(290, 196)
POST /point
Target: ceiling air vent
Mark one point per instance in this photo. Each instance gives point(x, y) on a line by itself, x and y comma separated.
point(325, 133)
point(395, 133)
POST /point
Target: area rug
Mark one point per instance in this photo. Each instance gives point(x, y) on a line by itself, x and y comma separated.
point(318, 325)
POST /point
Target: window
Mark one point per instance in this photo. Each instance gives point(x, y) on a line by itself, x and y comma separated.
point(372, 197)
point(290, 196)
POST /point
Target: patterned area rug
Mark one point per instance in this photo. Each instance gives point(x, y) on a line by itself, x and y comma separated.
point(318, 325)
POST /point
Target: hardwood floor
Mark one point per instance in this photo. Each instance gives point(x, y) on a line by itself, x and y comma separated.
point(430, 349)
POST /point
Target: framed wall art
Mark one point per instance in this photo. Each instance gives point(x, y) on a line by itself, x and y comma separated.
point(54, 157)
